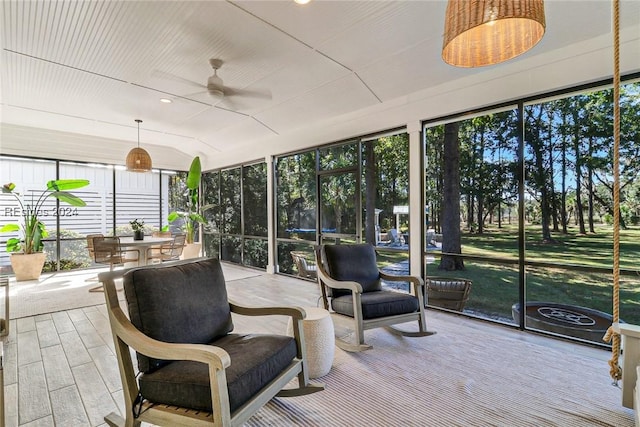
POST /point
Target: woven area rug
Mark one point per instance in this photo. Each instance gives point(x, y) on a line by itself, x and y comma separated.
point(468, 374)
point(68, 290)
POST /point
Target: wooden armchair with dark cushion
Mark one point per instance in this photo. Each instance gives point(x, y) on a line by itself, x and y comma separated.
point(193, 369)
point(349, 276)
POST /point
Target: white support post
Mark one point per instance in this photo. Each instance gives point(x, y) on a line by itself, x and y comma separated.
point(416, 201)
point(630, 361)
point(272, 267)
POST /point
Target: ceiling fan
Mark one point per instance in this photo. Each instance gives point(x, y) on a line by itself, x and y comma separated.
point(222, 94)
point(224, 97)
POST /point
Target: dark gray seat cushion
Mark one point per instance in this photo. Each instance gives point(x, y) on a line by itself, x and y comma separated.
point(377, 304)
point(178, 304)
point(255, 361)
point(356, 263)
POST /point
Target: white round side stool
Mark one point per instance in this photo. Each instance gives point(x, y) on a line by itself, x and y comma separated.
point(319, 340)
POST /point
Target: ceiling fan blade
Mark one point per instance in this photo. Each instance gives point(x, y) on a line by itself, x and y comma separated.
point(193, 93)
point(169, 76)
point(247, 93)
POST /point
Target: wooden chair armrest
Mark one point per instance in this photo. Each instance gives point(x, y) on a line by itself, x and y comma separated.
point(338, 284)
point(417, 282)
point(129, 334)
point(295, 312)
point(111, 276)
point(406, 278)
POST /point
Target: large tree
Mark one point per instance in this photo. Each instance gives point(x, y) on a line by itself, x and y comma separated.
point(451, 243)
point(538, 166)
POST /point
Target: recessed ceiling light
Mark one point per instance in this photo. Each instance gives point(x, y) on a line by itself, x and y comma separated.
point(166, 100)
point(302, 1)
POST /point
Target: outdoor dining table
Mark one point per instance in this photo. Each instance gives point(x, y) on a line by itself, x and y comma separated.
point(143, 245)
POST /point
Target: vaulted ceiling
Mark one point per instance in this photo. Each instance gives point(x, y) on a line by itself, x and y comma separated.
point(76, 74)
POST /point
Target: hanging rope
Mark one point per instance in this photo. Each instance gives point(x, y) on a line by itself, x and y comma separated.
point(611, 335)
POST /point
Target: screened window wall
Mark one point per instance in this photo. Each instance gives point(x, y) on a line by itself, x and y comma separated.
point(471, 193)
point(346, 192)
point(296, 208)
point(137, 196)
point(566, 200)
point(236, 209)
point(385, 202)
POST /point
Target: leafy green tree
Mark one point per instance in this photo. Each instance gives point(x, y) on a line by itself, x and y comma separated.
point(392, 175)
point(433, 177)
point(370, 191)
point(602, 160)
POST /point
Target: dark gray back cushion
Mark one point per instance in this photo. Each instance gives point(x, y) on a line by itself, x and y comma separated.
point(355, 263)
point(178, 304)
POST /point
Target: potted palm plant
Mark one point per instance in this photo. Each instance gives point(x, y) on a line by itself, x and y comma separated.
point(192, 216)
point(27, 256)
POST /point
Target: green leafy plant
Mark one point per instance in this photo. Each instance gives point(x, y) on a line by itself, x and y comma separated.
point(192, 216)
point(137, 225)
point(34, 230)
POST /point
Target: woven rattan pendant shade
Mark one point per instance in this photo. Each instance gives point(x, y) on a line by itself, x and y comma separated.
point(138, 160)
point(487, 32)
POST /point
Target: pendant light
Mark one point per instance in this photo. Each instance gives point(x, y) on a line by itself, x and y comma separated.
point(487, 32)
point(138, 160)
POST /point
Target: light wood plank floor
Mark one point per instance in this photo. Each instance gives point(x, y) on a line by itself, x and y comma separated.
point(61, 370)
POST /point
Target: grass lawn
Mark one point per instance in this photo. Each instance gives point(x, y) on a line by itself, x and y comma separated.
point(495, 284)
point(495, 281)
point(594, 249)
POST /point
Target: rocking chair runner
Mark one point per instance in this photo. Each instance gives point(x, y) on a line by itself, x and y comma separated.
point(348, 275)
point(193, 369)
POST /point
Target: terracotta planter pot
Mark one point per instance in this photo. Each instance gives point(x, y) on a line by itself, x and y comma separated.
point(191, 250)
point(28, 266)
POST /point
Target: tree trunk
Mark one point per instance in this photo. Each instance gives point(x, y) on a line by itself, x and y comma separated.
point(370, 193)
point(540, 177)
point(590, 187)
point(554, 198)
point(451, 200)
point(576, 144)
point(480, 183)
point(563, 202)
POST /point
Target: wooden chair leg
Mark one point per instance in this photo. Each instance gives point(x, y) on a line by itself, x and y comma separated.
point(115, 420)
point(351, 347)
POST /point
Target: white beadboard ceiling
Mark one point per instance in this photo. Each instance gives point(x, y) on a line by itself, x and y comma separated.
point(76, 74)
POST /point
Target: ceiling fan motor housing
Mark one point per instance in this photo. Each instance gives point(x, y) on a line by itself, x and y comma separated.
point(215, 86)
